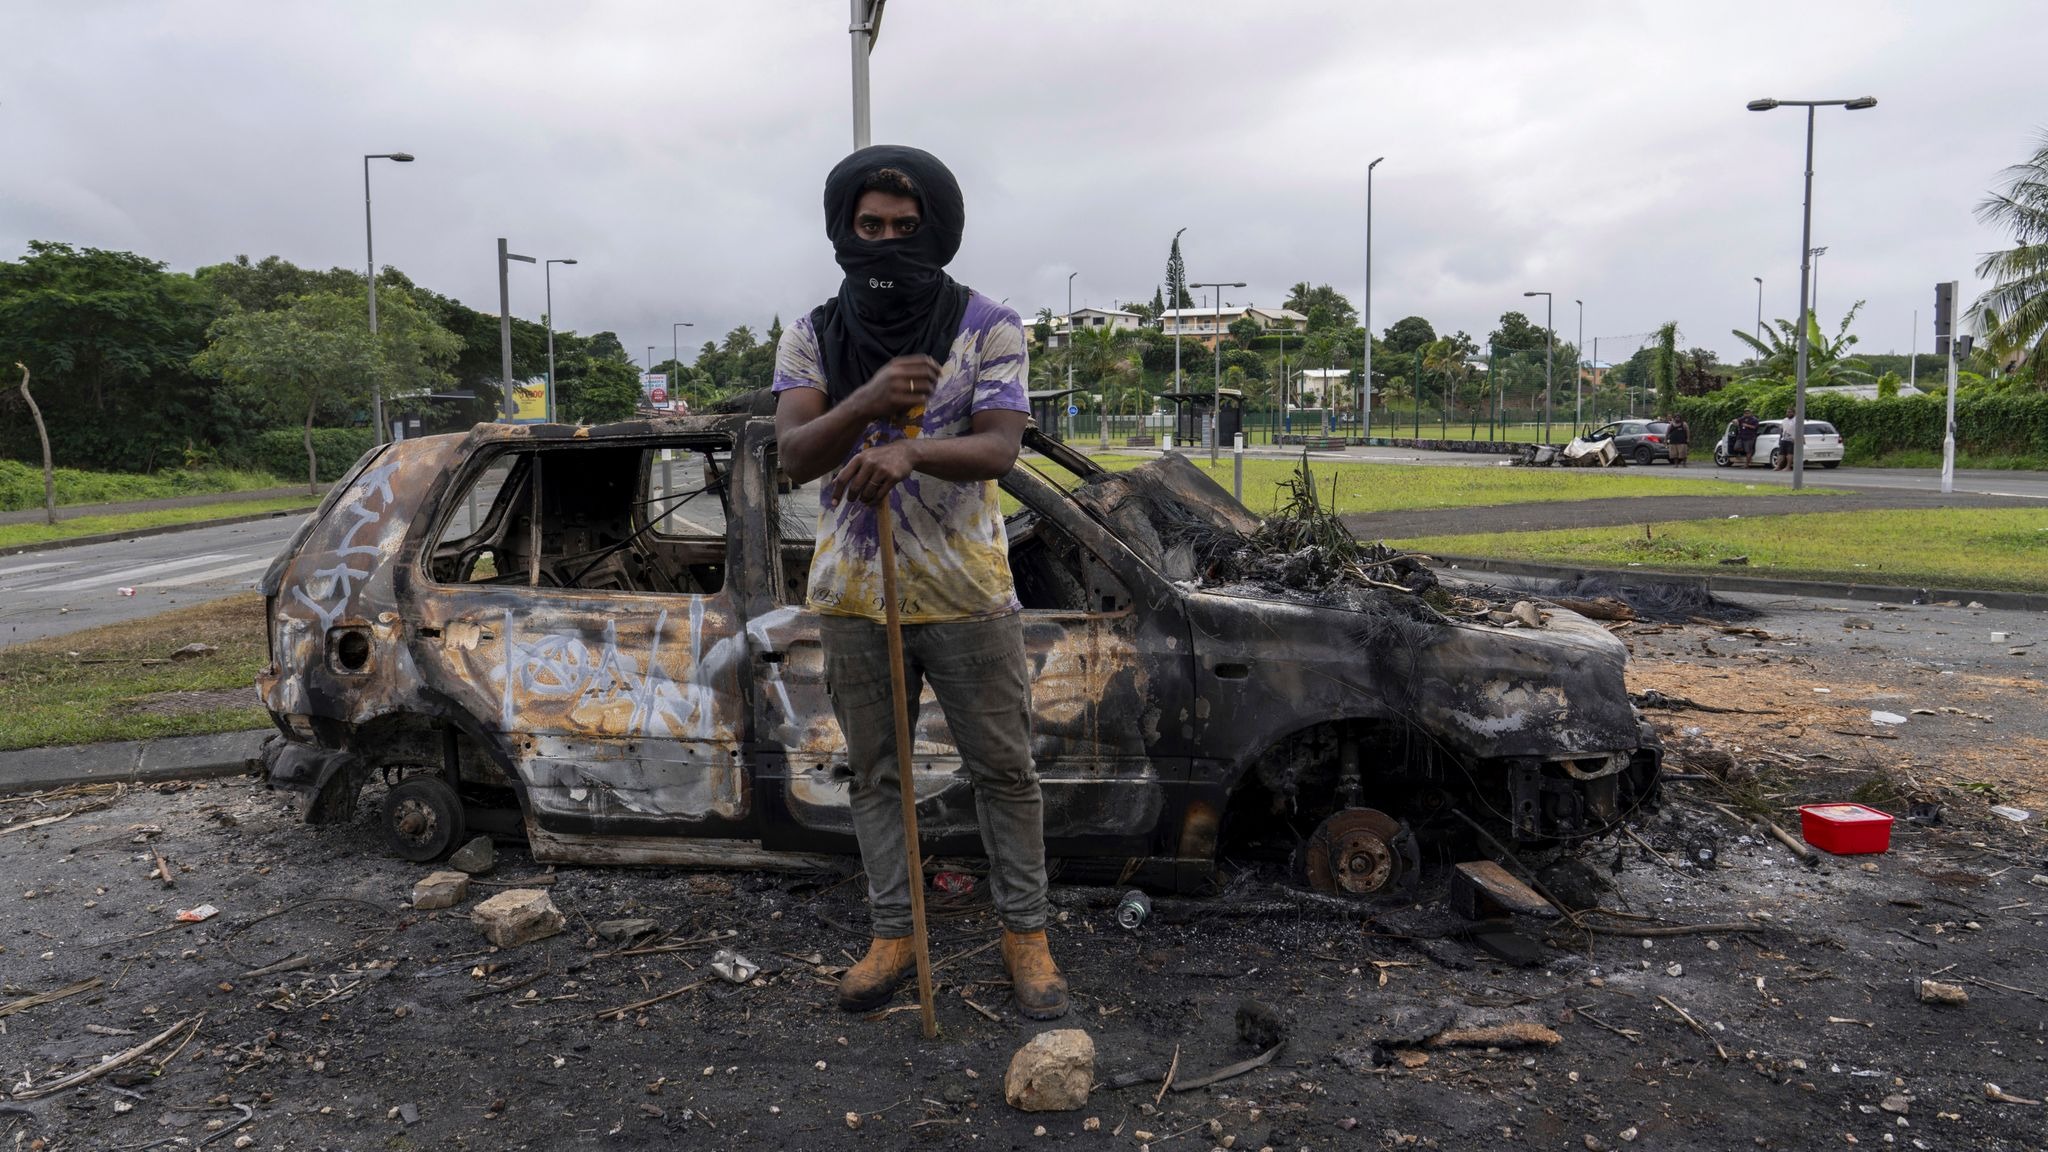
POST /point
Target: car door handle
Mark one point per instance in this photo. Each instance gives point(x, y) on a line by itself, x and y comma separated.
point(1233, 671)
point(772, 657)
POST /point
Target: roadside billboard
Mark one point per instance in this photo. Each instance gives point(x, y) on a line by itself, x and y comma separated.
point(654, 389)
point(530, 401)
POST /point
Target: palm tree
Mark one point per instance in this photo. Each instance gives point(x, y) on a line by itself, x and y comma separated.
point(1827, 360)
point(2013, 316)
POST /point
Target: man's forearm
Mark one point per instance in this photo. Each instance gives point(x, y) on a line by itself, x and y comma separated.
point(816, 446)
point(976, 456)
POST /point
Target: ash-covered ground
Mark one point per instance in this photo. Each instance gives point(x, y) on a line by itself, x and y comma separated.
point(380, 1026)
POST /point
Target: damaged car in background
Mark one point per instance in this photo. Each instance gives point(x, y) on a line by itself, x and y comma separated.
point(596, 638)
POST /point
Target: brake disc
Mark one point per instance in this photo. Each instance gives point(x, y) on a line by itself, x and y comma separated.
point(1360, 852)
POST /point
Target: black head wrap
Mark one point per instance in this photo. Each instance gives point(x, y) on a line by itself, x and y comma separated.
point(896, 299)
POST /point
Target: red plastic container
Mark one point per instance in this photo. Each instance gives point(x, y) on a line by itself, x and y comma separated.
point(1846, 829)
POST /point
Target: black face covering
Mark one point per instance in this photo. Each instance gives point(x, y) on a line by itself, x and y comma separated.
point(896, 299)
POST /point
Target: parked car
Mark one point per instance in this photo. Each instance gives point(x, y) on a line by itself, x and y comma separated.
point(570, 634)
point(1823, 444)
point(1638, 441)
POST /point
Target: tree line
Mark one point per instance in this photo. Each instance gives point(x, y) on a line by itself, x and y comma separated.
point(136, 367)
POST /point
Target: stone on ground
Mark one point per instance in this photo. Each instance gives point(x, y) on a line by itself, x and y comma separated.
point(475, 857)
point(440, 890)
point(517, 916)
point(1052, 1073)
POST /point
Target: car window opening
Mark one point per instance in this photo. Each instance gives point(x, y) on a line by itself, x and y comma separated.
point(618, 519)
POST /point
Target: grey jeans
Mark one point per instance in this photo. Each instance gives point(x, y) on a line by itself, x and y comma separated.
point(978, 671)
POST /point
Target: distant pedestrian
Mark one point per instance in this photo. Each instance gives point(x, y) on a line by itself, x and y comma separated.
point(1744, 442)
point(1680, 438)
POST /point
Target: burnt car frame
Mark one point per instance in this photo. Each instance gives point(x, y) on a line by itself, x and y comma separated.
point(537, 630)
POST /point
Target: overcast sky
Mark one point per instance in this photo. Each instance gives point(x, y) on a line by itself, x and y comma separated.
point(1597, 150)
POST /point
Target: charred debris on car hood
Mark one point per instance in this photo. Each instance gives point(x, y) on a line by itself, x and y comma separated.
point(1201, 538)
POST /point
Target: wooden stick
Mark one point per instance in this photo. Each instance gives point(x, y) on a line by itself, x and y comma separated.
point(86, 985)
point(899, 691)
point(24, 1092)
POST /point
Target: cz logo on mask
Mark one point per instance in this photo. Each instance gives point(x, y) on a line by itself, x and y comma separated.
point(873, 283)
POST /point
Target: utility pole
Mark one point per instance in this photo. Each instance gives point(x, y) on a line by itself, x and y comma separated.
point(864, 30)
point(1578, 353)
point(1365, 403)
point(505, 326)
point(1806, 255)
point(370, 249)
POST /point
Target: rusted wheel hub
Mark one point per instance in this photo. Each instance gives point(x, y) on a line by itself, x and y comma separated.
point(1356, 852)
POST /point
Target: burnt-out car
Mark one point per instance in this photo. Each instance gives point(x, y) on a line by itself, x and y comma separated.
point(596, 638)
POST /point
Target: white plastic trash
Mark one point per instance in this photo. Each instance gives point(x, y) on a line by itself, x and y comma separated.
point(1877, 717)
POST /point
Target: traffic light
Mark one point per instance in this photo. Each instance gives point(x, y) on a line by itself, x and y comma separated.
point(1944, 315)
point(1964, 345)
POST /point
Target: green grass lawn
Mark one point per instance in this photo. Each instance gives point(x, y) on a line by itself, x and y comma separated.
point(111, 683)
point(1395, 487)
point(16, 535)
point(21, 484)
point(2003, 548)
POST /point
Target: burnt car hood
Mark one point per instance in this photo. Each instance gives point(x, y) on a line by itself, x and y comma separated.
point(1551, 693)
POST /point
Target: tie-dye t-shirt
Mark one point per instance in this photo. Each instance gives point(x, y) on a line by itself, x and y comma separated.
point(952, 560)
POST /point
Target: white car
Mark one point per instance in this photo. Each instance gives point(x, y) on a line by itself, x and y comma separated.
point(1823, 444)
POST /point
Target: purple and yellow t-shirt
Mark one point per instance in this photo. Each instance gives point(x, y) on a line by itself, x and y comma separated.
point(952, 561)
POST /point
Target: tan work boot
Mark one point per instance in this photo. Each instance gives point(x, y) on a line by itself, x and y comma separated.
point(1035, 980)
point(869, 984)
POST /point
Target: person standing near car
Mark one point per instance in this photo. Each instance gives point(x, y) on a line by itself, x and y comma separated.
point(912, 386)
point(1679, 437)
point(1744, 444)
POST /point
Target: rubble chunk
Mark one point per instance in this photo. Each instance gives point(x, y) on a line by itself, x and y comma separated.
point(517, 916)
point(476, 857)
point(1052, 1073)
point(1937, 992)
point(1508, 1034)
point(440, 890)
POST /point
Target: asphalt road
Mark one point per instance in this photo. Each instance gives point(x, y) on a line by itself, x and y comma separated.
point(69, 589)
point(2025, 485)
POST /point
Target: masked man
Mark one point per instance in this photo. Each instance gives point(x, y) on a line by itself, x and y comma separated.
point(911, 386)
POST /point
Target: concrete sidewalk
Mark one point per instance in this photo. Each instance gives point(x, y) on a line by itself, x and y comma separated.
point(132, 761)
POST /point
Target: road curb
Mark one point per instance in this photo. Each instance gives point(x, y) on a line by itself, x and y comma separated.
point(158, 530)
point(132, 761)
point(1764, 585)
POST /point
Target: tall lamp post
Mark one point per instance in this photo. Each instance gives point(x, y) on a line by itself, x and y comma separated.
point(1549, 341)
point(1365, 402)
point(1805, 265)
point(505, 324)
point(1216, 403)
point(1578, 363)
point(675, 340)
point(370, 249)
point(547, 275)
point(1759, 308)
point(1070, 338)
point(864, 29)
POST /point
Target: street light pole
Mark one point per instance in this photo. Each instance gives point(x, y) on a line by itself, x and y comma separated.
point(1216, 392)
point(1805, 267)
point(864, 30)
point(1578, 355)
point(675, 340)
point(1365, 420)
point(505, 325)
point(370, 249)
point(1549, 342)
point(1759, 308)
point(547, 275)
point(1070, 340)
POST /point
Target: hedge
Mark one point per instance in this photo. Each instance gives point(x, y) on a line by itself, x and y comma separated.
point(282, 451)
point(1987, 424)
